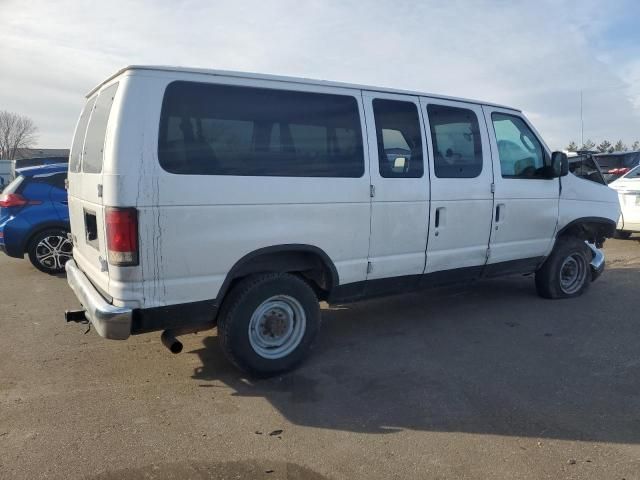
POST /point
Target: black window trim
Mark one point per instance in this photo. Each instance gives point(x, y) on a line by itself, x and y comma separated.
point(546, 158)
point(267, 85)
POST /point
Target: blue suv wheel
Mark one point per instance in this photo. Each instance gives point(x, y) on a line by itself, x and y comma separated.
point(50, 250)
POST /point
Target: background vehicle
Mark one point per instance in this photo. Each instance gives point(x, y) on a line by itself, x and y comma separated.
point(34, 217)
point(582, 165)
point(614, 165)
point(628, 188)
point(201, 198)
point(5, 173)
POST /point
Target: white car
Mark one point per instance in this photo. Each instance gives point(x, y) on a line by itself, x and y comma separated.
point(628, 188)
point(202, 198)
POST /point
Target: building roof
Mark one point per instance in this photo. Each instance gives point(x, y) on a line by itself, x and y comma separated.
point(27, 153)
point(278, 78)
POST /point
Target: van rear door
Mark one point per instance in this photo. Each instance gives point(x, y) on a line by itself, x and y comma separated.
point(86, 208)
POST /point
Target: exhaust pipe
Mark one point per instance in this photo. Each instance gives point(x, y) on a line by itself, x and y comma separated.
point(170, 341)
point(77, 316)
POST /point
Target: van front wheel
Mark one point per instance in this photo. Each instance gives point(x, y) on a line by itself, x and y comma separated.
point(268, 323)
point(567, 271)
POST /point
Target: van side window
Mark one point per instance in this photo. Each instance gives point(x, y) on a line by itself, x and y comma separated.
point(399, 139)
point(457, 146)
point(208, 129)
point(97, 130)
point(75, 155)
point(520, 152)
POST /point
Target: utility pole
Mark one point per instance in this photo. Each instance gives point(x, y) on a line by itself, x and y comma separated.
point(581, 121)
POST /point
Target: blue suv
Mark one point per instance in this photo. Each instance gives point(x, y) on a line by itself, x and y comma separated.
point(34, 217)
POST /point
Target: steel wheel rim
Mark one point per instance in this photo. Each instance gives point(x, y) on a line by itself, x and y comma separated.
point(277, 326)
point(573, 273)
point(54, 251)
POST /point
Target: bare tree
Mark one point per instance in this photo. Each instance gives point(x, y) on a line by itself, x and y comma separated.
point(17, 132)
point(572, 147)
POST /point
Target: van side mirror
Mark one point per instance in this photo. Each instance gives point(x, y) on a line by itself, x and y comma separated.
point(559, 164)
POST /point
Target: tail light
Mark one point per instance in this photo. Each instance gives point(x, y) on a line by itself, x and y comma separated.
point(9, 200)
point(618, 171)
point(122, 236)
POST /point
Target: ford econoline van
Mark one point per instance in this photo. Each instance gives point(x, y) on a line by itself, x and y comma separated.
point(202, 198)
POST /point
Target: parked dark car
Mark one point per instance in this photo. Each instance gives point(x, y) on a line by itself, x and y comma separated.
point(34, 217)
point(614, 165)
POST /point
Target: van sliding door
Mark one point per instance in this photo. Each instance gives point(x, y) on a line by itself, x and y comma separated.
point(461, 190)
point(399, 187)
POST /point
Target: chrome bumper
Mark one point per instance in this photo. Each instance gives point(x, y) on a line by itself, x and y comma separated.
point(598, 261)
point(109, 321)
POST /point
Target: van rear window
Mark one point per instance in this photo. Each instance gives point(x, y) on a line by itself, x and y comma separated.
point(96, 131)
point(208, 129)
point(75, 156)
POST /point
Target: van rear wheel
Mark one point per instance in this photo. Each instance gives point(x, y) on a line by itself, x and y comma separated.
point(567, 271)
point(268, 323)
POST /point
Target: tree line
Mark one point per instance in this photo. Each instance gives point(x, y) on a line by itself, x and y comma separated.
point(604, 147)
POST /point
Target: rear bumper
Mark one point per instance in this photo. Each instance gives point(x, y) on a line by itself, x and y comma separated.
point(109, 321)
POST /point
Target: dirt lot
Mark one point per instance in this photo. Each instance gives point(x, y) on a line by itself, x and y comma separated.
point(487, 382)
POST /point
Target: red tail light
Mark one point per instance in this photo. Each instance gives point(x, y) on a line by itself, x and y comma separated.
point(619, 171)
point(122, 236)
point(12, 200)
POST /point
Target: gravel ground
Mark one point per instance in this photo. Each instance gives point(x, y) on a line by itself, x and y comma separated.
point(487, 382)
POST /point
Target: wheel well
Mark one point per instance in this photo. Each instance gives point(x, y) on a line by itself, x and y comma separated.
point(595, 230)
point(41, 228)
point(313, 264)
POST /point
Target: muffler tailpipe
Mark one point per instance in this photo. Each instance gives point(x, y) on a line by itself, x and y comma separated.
point(77, 316)
point(170, 341)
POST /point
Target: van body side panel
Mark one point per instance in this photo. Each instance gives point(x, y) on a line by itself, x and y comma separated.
point(582, 198)
point(194, 228)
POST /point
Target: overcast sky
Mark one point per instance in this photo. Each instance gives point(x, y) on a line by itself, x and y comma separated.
point(535, 55)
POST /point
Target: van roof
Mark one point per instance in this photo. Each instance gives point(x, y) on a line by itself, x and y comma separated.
point(279, 78)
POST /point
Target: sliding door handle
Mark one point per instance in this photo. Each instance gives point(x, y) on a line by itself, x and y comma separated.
point(500, 213)
point(439, 220)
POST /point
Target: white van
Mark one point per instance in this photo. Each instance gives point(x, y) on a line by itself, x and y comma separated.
point(203, 198)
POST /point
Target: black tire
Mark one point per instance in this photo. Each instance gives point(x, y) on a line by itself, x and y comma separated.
point(552, 279)
point(622, 235)
point(263, 291)
point(59, 247)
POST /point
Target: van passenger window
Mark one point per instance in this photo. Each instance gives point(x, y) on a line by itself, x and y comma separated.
point(457, 146)
point(399, 139)
point(520, 152)
point(208, 129)
point(97, 130)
